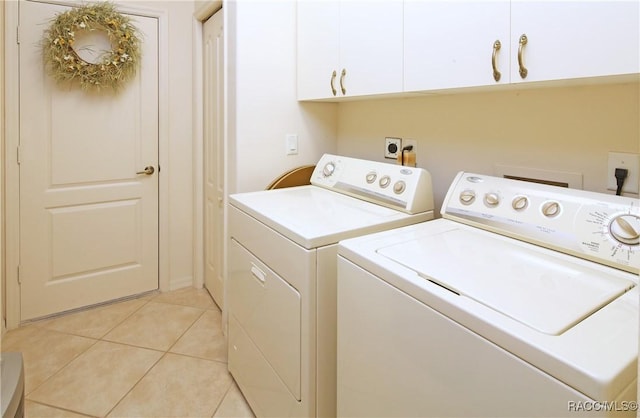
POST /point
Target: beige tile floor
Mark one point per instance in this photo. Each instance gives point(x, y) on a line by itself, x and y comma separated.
point(161, 355)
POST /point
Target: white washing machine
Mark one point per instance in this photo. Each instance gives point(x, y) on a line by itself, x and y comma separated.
point(281, 287)
point(521, 301)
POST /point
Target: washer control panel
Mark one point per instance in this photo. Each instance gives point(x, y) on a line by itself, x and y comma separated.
point(408, 189)
point(599, 227)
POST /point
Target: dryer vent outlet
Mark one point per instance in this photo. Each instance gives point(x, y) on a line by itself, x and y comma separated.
point(392, 147)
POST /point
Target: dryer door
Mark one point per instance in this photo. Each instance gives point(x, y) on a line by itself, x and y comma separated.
point(268, 309)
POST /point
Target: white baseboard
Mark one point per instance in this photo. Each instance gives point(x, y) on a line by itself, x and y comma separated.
point(176, 284)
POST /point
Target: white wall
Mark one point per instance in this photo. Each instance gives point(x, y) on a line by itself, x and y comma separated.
point(2, 275)
point(562, 129)
point(262, 102)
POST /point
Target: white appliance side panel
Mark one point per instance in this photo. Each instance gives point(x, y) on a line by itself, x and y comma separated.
point(269, 311)
point(326, 326)
point(259, 383)
point(398, 357)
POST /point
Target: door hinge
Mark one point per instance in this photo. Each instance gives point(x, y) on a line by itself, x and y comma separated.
point(18, 154)
point(19, 281)
point(18, 34)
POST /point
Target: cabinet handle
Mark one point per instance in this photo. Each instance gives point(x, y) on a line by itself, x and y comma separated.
point(496, 47)
point(333, 78)
point(523, 42)
point(342, 75)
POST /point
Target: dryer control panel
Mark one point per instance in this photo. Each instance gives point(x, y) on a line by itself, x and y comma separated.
point(408, 189)
point(595, 226)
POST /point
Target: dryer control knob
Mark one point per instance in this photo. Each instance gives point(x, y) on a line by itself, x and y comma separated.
point(328, 169)
point(399, 187)
point(385, 181)
point(371, 177)
point(467, 197)
point(626, 229)
point(492, 199)
point(551, 209)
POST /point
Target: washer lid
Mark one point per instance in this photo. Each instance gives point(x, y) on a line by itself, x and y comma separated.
point(525, 283)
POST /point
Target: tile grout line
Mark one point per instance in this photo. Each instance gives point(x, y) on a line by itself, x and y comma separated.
point(226, 393)
point(135, 384)
point(124, 319)
point(164, 355)
point(62, 409)
point(95, 341)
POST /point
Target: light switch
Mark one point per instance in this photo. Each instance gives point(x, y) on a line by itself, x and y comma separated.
point(291, 144)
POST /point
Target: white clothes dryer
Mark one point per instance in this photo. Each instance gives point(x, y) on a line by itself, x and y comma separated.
point(521, 301)
point(281, 287)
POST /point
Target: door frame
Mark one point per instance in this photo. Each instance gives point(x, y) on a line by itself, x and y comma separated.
point(12, 169)
point(207, 9)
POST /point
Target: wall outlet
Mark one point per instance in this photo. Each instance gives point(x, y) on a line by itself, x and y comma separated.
point(392, 147)
point(624, 160)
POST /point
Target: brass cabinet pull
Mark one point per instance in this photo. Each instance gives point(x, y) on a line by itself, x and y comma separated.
point(496, 47)
point(342, 75)
point(523, 42)
point(333, 78)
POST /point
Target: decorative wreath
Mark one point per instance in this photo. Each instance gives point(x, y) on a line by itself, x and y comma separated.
point(116, 67)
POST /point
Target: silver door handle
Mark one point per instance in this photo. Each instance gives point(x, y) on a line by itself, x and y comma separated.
point(148, 170)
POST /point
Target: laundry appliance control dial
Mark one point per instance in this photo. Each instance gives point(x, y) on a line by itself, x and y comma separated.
point(551, 209)
point(520, 203)
point(626, 229)
point(328, 169)
point(467, 197)
point(384, 181)
point(371, 177)
point(492, 199)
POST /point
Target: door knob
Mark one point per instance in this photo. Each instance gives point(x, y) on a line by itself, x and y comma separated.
point(148, 170)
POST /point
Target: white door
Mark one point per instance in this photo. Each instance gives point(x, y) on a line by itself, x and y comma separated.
point(213, 61)
point(450, 44)
point(88, 222)
point(575, 39)
point(318, 37)
point(371, 46)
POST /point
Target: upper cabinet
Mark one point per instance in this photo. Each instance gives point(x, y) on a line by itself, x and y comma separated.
point(556, 40)
point(359, 48)
point(349, 48)
point(452, 44)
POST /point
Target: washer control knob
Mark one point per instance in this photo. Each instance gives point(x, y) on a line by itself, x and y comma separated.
point(520, 203)
point(551, 209)
point(399, 187)
point(467, 197)
point(328, 169)
point(385, 181)
point(626, 229)
point(371, 177)
point(492, 199)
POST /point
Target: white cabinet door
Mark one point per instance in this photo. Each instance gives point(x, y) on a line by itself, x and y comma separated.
point(450, 43)
point(371, 47)
point(575, 39)
point(349, 48)
point(318, 46)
